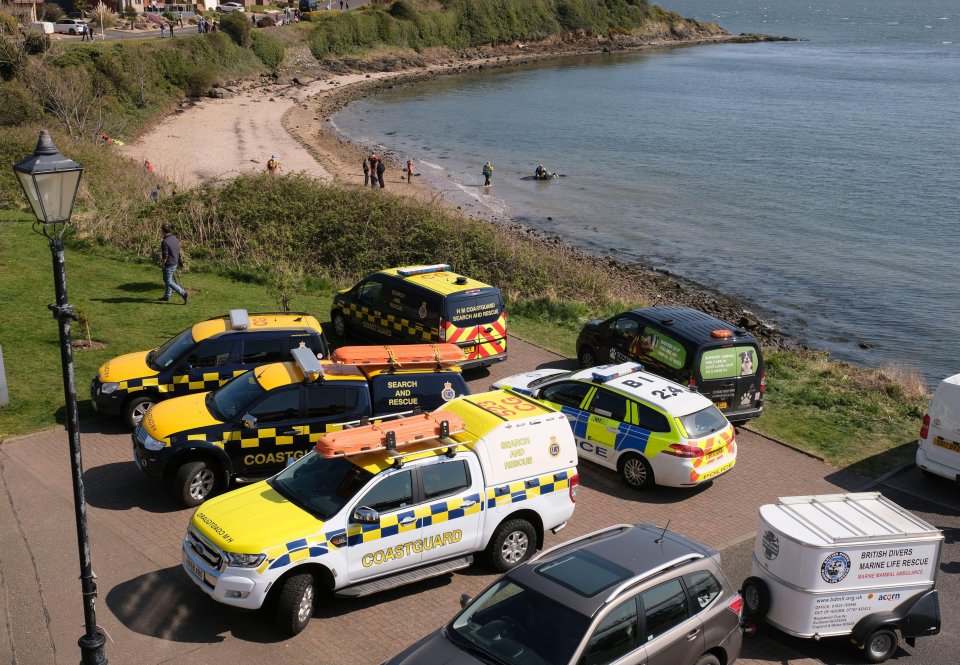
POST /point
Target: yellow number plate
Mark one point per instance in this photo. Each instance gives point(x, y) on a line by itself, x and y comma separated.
point(469, 349)
point(721, 405)
point(714, 454)
point(949, 445)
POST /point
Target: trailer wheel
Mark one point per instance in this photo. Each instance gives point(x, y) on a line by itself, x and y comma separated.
point(756, 598)
point(880, 645)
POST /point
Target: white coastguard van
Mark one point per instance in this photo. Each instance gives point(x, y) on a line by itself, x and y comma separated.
point(938, 450)
point(380, 506)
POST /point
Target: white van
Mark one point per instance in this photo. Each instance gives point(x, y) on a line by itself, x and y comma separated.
point(938, 452)
point(45, 27)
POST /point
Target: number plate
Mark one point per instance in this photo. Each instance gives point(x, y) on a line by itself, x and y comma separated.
point(949, 445)
point(192, 567)
point(469, 349)
point(714, 454)
point(721, 405)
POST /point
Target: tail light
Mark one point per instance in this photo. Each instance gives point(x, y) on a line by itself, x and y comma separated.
point(925, 430)
point(680, 450)
point(443, 330)
point(736, 605)
point(692, 383)
point(763, 381)
point(574, 484)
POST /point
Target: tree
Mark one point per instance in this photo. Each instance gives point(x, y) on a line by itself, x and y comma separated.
point(70, 95)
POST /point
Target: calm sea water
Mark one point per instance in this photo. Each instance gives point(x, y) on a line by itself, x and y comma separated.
point(817, 179)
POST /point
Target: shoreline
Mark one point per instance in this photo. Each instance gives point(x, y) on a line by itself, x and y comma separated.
point(310, 123)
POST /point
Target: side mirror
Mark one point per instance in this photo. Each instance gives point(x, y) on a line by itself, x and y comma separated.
point(248, 421)
point(365, 515)
point(185, 366)
point(465, 600)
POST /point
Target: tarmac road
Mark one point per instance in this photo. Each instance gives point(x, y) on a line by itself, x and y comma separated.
point(154, 614)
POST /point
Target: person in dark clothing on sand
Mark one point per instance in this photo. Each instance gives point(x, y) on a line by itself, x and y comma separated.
point(366, 173)
point(381, 167)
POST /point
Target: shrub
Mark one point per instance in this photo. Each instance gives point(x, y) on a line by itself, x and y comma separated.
point(17, 104)
point(9, 24)
point(268, 49)
point(50, 12)
point(198, 79)
point(35, 43)
point(130, 13)
point(238, 27)
point(12, 57)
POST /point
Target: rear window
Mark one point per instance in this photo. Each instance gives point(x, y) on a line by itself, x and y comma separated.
point(729, 362)
point(704, 423)
point(474, 309)
point(393, 393)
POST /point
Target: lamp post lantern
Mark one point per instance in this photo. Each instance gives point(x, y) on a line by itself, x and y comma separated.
point(50, 182)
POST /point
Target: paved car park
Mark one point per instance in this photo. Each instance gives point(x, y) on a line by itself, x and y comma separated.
point(154, 614)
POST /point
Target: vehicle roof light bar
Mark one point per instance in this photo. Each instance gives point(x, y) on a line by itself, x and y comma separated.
point(239, 319)
point(422, 270)
point(616, 371)
point(307, 362)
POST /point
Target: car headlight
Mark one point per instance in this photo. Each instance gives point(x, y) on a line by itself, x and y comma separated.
point(107, 388)
point(148, 441)
point(244, 560)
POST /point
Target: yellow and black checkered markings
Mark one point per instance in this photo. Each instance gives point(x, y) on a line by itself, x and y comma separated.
point(219, 435)
point(393, 322)
point(178, 384)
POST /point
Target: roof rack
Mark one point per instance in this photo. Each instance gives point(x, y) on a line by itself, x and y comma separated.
point(656, 570)
point(393, 435)
point(402, 355)
point(422, 270)
point(616, 371)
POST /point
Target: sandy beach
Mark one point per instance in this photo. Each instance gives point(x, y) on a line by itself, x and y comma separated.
point(212, 139)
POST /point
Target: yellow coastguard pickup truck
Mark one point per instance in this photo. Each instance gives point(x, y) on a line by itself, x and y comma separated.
point(388, 504)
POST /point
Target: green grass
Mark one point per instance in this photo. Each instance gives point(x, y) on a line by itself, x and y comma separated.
point(120, 300)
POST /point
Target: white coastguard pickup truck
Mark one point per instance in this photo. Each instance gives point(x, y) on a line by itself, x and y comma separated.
point(376, 507)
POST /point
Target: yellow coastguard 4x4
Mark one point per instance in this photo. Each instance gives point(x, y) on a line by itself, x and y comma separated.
point(419, 304)
point(203, 357)
point(376, 507)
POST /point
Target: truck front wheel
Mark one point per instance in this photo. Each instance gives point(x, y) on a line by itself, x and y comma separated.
point(880, 645)
point(194, 483)
point(136, 409)
point(295, 603)
point(513, 543)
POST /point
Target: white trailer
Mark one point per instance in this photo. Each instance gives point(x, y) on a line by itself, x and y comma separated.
point(845, 564)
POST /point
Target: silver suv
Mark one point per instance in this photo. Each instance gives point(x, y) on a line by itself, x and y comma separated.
point(634, 595)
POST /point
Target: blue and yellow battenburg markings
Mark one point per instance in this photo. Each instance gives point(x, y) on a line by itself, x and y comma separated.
point(430, 514)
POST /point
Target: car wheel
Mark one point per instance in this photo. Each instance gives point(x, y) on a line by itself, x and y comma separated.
point(587, 357)
point(636, 472)
point(295, 603)
point(708, 659)
point(339, 325)
point(756, 598)
point(194, 483)
point(880, 645)
point(136, 409)
point(72, 31)
point(513, 543)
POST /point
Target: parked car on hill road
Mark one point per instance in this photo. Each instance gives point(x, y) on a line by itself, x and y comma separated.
point(69, 26)
point(229, 7)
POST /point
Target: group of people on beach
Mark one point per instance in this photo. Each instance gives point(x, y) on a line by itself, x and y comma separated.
point(374, 167)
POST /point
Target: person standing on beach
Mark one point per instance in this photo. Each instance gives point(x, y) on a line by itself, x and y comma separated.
point(366, 173)
point(487, 172)
point(169, 260)
point(381, 167)
point(373, 169)
point(273, 166)
point(409, 169)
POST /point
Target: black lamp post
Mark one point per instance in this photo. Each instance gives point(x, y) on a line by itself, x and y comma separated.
point(50, 182)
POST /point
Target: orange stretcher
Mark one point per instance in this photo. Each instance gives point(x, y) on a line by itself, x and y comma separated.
point(400, 355)
point(390, 435)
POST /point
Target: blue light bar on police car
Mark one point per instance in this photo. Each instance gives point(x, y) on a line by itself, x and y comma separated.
point(612, 372)
point(422, 270)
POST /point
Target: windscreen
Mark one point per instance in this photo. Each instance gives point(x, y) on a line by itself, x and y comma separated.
point(319, 485)
point(474, 309)
point(511, 624)
point(232, 399)
point(167, 354)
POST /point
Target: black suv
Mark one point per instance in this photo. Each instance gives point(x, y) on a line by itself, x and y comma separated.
point(625, 594)
point(687, 346)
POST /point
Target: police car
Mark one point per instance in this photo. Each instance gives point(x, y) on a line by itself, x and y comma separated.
point(252, 426)
point(203, 357)
point(651, 430)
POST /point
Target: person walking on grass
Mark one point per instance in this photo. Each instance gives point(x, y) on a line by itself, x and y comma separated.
point(169, 260)
point(366, 173)
point(487, 172)
point(381, 167)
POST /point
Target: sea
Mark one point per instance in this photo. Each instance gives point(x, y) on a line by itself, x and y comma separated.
point(816, 179)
